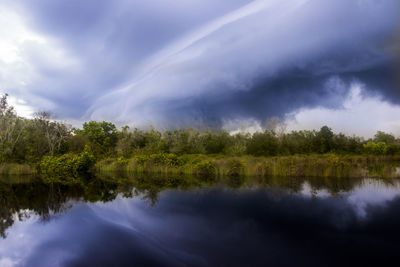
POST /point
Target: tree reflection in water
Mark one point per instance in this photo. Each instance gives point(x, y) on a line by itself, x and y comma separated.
point(20, 198)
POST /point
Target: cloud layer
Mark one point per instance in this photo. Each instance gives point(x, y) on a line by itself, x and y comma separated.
point(360, 115)
point(173, 63)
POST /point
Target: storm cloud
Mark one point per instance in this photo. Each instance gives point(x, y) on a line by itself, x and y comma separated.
point(173, 63)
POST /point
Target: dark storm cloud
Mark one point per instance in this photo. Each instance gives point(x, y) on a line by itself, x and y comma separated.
point(202, 62)
point(110, 39)
point(295, 89)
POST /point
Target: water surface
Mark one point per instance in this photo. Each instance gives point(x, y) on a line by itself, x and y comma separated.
point(181, 222)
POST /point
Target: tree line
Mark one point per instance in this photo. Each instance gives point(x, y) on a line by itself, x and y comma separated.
point(24, 140)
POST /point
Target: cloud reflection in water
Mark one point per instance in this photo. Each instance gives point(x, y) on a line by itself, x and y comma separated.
point(216, 227)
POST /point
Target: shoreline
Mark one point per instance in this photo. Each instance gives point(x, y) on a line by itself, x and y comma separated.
point(328, 165)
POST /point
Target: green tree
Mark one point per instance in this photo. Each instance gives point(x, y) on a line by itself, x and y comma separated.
point(324, 140)
point(183, 141)
point(376, 148)
point(102, 136)
point(215, 142)
point(125, 142)
point(384, 137)
point(263, 144)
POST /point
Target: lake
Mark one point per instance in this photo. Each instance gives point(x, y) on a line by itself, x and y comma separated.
point(233, 221)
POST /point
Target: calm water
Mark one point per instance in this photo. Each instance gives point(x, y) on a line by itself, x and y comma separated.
point(174, 222)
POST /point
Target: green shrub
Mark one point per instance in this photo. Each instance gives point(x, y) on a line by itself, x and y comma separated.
point(175, 160)
point(142, 159)
point(379, 148)
point(66, 168)
point(85, 160)
point(159, 159)
point(393, 149)
point(236, 167)
point(59, 169)
point(122, 161)
point(164, 159)
point(205, 168)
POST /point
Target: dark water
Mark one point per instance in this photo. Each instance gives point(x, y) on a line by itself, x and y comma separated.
point(234, 222)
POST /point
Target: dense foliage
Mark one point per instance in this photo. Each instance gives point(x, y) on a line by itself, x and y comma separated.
point(67, 167)
point(35, 140)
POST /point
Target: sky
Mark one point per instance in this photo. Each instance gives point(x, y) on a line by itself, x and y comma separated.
point(227, 63)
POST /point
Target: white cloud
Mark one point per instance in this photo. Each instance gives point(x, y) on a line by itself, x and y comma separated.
point(242, 126)
point(372, 193)
point(13, 35)
point(19, 243)
point(369, 193)
point(360, 115)
point(21, 107)
point(24, 54)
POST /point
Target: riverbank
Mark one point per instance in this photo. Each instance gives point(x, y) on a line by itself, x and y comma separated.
point(328, 165)
point(16, 169)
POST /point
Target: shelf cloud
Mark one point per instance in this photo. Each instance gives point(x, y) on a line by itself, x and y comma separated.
point(175, 63)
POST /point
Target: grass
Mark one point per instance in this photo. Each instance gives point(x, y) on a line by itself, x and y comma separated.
point(16, 169)
point(328, 165)
point(208, 166)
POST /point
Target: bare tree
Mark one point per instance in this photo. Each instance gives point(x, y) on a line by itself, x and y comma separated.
point(54, 132)
point(11, 127)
